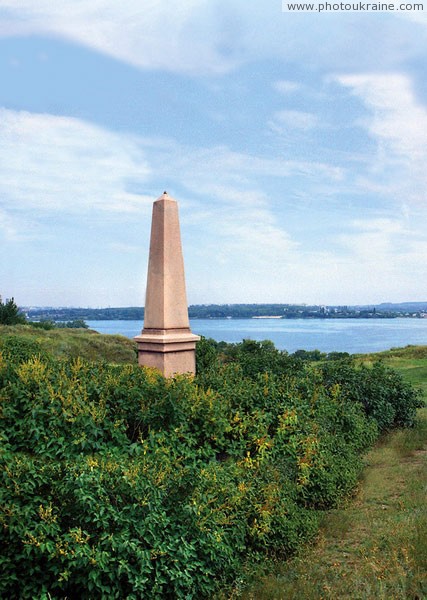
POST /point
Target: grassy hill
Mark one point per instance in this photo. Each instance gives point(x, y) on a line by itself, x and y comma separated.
point(70, 343)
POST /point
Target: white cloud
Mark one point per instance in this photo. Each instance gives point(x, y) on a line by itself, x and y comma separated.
point(287, 87)
point(397, 115)
point(62, 165)
point(65, 164)
point(416, 15)
point(239, 244)
point(397, 121)
point(372, 240)
point(9, 226)
point(177, 36)
point(210, 36)
point(285, 120)
point(220, 164)
point(124, 248)
point(385, 226)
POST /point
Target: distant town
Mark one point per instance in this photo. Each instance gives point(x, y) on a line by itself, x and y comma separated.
point(413, 310)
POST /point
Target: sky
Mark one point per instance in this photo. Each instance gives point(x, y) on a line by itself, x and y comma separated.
point(294, 142)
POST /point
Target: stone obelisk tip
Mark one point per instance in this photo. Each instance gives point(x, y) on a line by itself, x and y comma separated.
point(166, 342)
point(165, 196)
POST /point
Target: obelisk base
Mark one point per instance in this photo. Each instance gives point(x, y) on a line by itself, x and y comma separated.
point(170, 351)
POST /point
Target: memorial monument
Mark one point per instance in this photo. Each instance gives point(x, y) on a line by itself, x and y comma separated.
point(166, 341)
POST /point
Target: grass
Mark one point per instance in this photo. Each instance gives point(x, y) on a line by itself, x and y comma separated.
point(411, 362)
point(70, 343)
point(374, 547)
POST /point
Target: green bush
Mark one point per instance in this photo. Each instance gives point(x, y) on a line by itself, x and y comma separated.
point(310, 355)
point(46, 325)
point(17, 349)
point(385, 396)
point(260, 357)
point(119, 483)
point(76, 324)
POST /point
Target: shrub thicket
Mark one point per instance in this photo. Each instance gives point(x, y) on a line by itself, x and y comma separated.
point(118, 483)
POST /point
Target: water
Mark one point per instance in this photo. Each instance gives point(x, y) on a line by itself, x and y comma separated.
point(332, 335)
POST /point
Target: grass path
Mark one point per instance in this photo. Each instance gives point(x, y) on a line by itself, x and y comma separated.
point(375, 547)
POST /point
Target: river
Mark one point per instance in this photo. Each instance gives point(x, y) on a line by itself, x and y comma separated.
point(326, 335)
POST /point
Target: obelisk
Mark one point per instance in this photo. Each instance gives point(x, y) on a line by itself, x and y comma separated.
point(166, 341)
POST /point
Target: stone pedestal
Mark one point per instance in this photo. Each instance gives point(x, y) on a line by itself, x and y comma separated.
point(166, 342)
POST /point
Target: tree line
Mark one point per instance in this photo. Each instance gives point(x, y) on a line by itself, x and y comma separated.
point(234, 311)
point(10, 314)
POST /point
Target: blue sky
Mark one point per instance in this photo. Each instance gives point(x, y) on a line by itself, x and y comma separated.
point(295, 144)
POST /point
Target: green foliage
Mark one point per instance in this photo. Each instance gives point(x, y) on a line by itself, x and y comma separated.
point(260, 357)
point(316, 355)
point(206, 354)
point(46, 325)
point(18, 349)
point(10, 313)
point(119, 483)
point(75, 324)
point(384, 394)
point(310, 355)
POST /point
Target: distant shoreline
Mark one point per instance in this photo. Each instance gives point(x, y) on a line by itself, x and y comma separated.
point(238, 311)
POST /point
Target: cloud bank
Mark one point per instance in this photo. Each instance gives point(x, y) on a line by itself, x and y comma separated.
point(209, 36)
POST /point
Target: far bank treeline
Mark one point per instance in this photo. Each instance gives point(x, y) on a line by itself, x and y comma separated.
point(118, 483)
point(237, 311)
